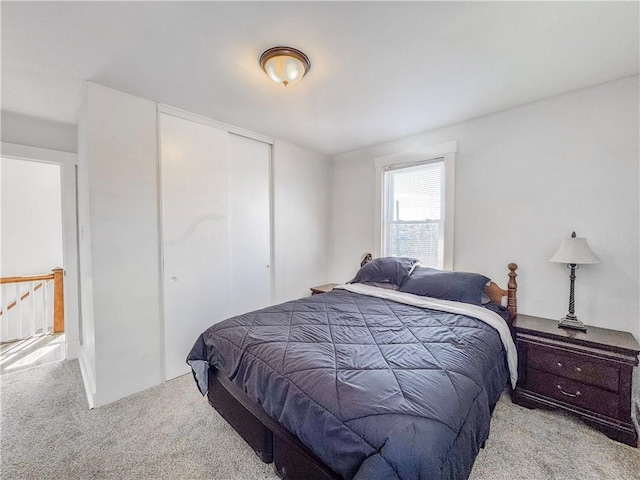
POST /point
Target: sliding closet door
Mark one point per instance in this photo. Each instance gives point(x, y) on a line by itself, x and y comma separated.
point(195, 228)
point(216, 230)
point(249, 224)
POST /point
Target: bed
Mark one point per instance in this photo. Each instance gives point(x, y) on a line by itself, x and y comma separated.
point(373, 380)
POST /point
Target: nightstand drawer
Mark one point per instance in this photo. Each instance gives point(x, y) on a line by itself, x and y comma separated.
point(572, 392)
point(577, 367)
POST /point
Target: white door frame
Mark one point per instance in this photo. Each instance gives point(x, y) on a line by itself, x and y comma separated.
point(67, 162)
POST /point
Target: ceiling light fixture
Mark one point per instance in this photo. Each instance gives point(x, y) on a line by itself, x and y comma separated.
point(285, 65)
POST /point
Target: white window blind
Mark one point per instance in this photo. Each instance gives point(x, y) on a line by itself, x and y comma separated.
point(413, 219)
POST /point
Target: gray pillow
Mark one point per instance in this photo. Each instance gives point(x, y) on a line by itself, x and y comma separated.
point(389, 272)
point(456, 286)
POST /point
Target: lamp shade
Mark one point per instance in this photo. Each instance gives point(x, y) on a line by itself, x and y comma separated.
point(574, 250)
point(285, 65)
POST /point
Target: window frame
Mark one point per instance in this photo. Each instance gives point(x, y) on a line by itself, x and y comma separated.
point(445, 152)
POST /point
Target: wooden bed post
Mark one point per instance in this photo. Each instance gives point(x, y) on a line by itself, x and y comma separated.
point(512, 288)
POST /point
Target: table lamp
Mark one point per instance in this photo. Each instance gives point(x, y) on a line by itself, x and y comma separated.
point(573, 251)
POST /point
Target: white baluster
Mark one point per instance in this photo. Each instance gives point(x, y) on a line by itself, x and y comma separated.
point(49, 306)
point(51, 311)
point(4, 333)
point(19, 309)
point(32, 303)
point(45, 308)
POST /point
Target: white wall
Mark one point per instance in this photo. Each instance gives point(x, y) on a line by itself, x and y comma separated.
point(120, 243)
point(525, 178)
point(31, 240)
point(38, 132)
point(301, 220)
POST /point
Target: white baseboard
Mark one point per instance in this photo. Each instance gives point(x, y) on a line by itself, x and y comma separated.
point(87, 377)
point(72, 350)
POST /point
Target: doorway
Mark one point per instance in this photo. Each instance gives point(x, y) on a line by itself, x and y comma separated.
point(38, 297)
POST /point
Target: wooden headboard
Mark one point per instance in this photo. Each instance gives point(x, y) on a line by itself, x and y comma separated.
point(495, 293)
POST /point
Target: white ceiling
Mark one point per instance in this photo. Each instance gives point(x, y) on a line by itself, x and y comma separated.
point(380, 70)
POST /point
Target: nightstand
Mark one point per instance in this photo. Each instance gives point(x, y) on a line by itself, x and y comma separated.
point(585, 373)
point(327, 287)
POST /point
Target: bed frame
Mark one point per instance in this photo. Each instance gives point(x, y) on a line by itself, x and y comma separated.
point(274, 443)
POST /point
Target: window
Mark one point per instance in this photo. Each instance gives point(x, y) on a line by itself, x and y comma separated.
point(416, 204)
point(414, 212)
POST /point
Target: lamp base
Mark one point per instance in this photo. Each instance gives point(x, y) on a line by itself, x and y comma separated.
point(572, 322)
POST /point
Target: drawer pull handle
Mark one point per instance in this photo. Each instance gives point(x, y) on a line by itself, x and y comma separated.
point(559, 364)
point(573, 395)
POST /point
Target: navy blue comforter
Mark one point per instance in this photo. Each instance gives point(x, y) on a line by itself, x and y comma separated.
point(375, 388)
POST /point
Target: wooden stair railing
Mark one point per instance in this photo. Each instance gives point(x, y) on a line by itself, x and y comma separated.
point(58, 294)
point(23, 297)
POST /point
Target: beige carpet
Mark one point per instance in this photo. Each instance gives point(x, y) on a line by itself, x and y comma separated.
point(541, 444)
point(170, 432)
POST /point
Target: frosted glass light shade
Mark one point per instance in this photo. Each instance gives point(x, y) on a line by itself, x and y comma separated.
point(574, 251)
point(285, 65)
